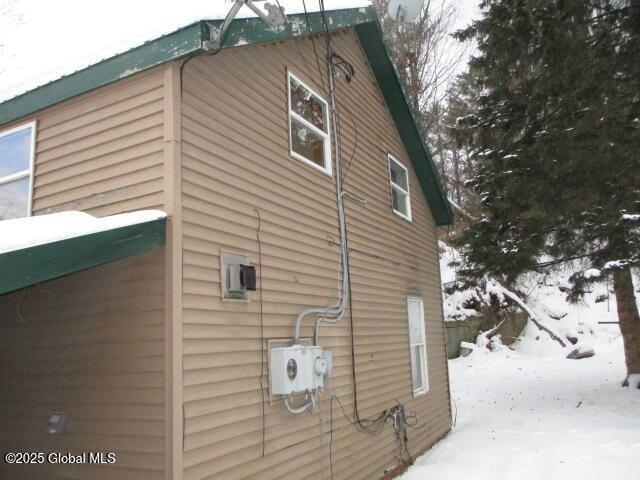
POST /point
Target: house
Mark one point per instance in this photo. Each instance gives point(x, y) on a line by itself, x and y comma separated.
point(144, 338)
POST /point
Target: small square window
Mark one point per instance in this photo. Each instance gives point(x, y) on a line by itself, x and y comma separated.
point(308, 126)
point(16, 167)
point(400, 198)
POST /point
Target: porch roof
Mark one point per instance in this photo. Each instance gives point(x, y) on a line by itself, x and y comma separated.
point(37, 249)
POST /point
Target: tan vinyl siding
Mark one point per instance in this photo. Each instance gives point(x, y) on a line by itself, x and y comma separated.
point(91, 345)
point(102, 152)
point(235, 159)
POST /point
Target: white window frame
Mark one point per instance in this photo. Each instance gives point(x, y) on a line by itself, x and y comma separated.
point(28, 172)
point(395, 186)
point(425, 367)
point(328, 167)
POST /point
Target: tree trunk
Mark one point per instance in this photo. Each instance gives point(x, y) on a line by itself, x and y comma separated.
point(628, 319)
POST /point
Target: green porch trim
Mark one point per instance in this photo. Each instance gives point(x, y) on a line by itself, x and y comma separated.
point(392, 89)
point(29, 266)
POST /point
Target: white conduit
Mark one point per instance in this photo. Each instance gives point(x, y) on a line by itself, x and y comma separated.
point(335, 313)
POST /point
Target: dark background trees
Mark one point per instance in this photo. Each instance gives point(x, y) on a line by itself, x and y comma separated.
point(537, 140)
point(429, 61)
point(555, 140)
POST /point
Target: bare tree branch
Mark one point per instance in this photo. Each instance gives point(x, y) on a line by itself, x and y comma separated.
point(9, 16)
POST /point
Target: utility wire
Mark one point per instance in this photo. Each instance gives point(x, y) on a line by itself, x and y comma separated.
point(371, 426)
point(341, 61)
point(355, 146)
point(19, 312)
point(313, 44)
point(262, 366)
point(331, 436)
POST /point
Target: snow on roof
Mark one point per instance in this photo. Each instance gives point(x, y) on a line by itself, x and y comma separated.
point(44, 42)
point(20, 233)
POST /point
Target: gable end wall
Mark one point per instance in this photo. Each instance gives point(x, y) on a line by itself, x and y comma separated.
point(235, 160)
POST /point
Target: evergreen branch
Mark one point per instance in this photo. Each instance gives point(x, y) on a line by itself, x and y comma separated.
point(559, 261)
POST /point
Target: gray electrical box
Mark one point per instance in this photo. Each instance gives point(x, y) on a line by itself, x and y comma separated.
point(238, 277)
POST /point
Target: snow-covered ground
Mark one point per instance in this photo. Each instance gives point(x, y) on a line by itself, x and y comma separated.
point(532, 414)
point(529, 413)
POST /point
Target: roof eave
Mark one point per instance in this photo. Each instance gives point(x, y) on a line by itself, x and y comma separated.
point(392, 88)
point(184, 42)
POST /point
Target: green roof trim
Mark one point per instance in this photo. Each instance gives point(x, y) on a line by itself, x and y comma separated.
point(245, 31)
point(393, 91)
point(184, 42)
point(29, 266)
point(175, 45)
point(194, 39)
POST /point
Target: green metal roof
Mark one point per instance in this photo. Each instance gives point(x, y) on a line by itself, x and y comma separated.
point(187, 41)
point(29, 266)
point(194, 39)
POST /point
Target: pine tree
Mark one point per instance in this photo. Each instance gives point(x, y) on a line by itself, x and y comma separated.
point(427, 58)
point(462, 99)
point(556, 138)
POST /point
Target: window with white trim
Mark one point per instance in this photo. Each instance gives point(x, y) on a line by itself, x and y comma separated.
point(308, 126)
point(418, 345)
point(400, 198)
point(16, 168)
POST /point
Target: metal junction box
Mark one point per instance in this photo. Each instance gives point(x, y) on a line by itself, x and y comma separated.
point(237, 276)
point(298, 368)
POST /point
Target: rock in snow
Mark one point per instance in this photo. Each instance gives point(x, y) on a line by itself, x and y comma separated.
point(581, 351)
point(466, 349)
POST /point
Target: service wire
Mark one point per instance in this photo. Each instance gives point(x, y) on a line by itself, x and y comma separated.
point(262, 365)
point(334, 313)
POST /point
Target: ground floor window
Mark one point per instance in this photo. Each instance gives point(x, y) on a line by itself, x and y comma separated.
point(418, 345)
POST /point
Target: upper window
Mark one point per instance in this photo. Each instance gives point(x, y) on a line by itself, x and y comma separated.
point(418, 345)
point(16, 166)
point(308, 126)
point(400, 198)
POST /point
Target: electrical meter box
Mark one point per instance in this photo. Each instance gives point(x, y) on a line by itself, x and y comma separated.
point(298, 368)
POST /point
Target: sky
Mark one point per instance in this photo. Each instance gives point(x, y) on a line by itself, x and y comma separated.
point(41, 40)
